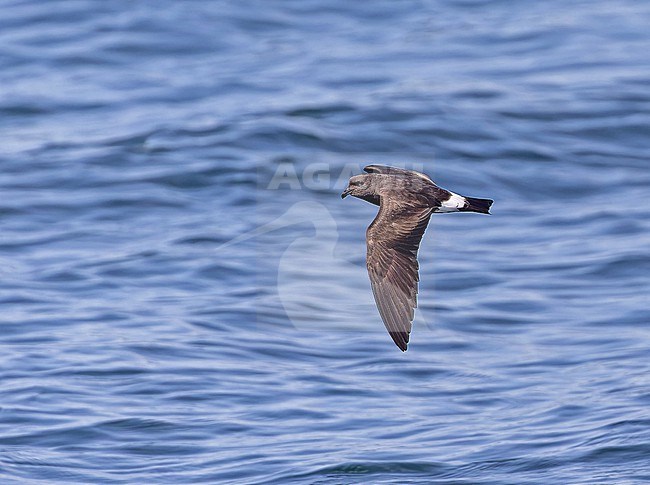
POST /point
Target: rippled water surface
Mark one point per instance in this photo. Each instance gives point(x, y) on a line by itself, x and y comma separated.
point(183, 292)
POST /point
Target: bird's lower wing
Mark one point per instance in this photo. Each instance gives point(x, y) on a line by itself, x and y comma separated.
point(393, 240)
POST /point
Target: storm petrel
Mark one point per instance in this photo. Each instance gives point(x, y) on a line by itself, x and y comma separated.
point(406, 200)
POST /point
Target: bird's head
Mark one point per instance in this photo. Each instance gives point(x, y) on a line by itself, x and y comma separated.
point(359, 186)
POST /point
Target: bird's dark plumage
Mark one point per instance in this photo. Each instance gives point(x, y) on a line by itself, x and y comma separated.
point(406, 201)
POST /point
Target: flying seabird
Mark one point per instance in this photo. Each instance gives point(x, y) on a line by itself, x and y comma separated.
point(406, 200)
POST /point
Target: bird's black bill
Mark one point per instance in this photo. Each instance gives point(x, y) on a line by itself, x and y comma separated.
point(345, 193)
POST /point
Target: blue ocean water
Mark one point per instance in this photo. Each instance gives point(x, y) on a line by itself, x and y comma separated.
point(183, 292)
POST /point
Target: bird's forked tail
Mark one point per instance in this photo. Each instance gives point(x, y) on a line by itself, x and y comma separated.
point(477, 205)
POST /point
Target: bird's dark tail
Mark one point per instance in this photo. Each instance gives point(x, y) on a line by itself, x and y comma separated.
point(477, 205)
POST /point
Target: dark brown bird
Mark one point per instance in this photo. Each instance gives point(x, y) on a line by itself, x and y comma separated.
point(406, 200)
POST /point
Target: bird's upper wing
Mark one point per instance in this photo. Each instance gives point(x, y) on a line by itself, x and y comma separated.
point(392, 240)
point(386, 170)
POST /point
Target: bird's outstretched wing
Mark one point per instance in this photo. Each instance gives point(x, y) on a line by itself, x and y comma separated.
point(393, 240)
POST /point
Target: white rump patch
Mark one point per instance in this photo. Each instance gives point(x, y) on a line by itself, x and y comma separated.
point(452, 204)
